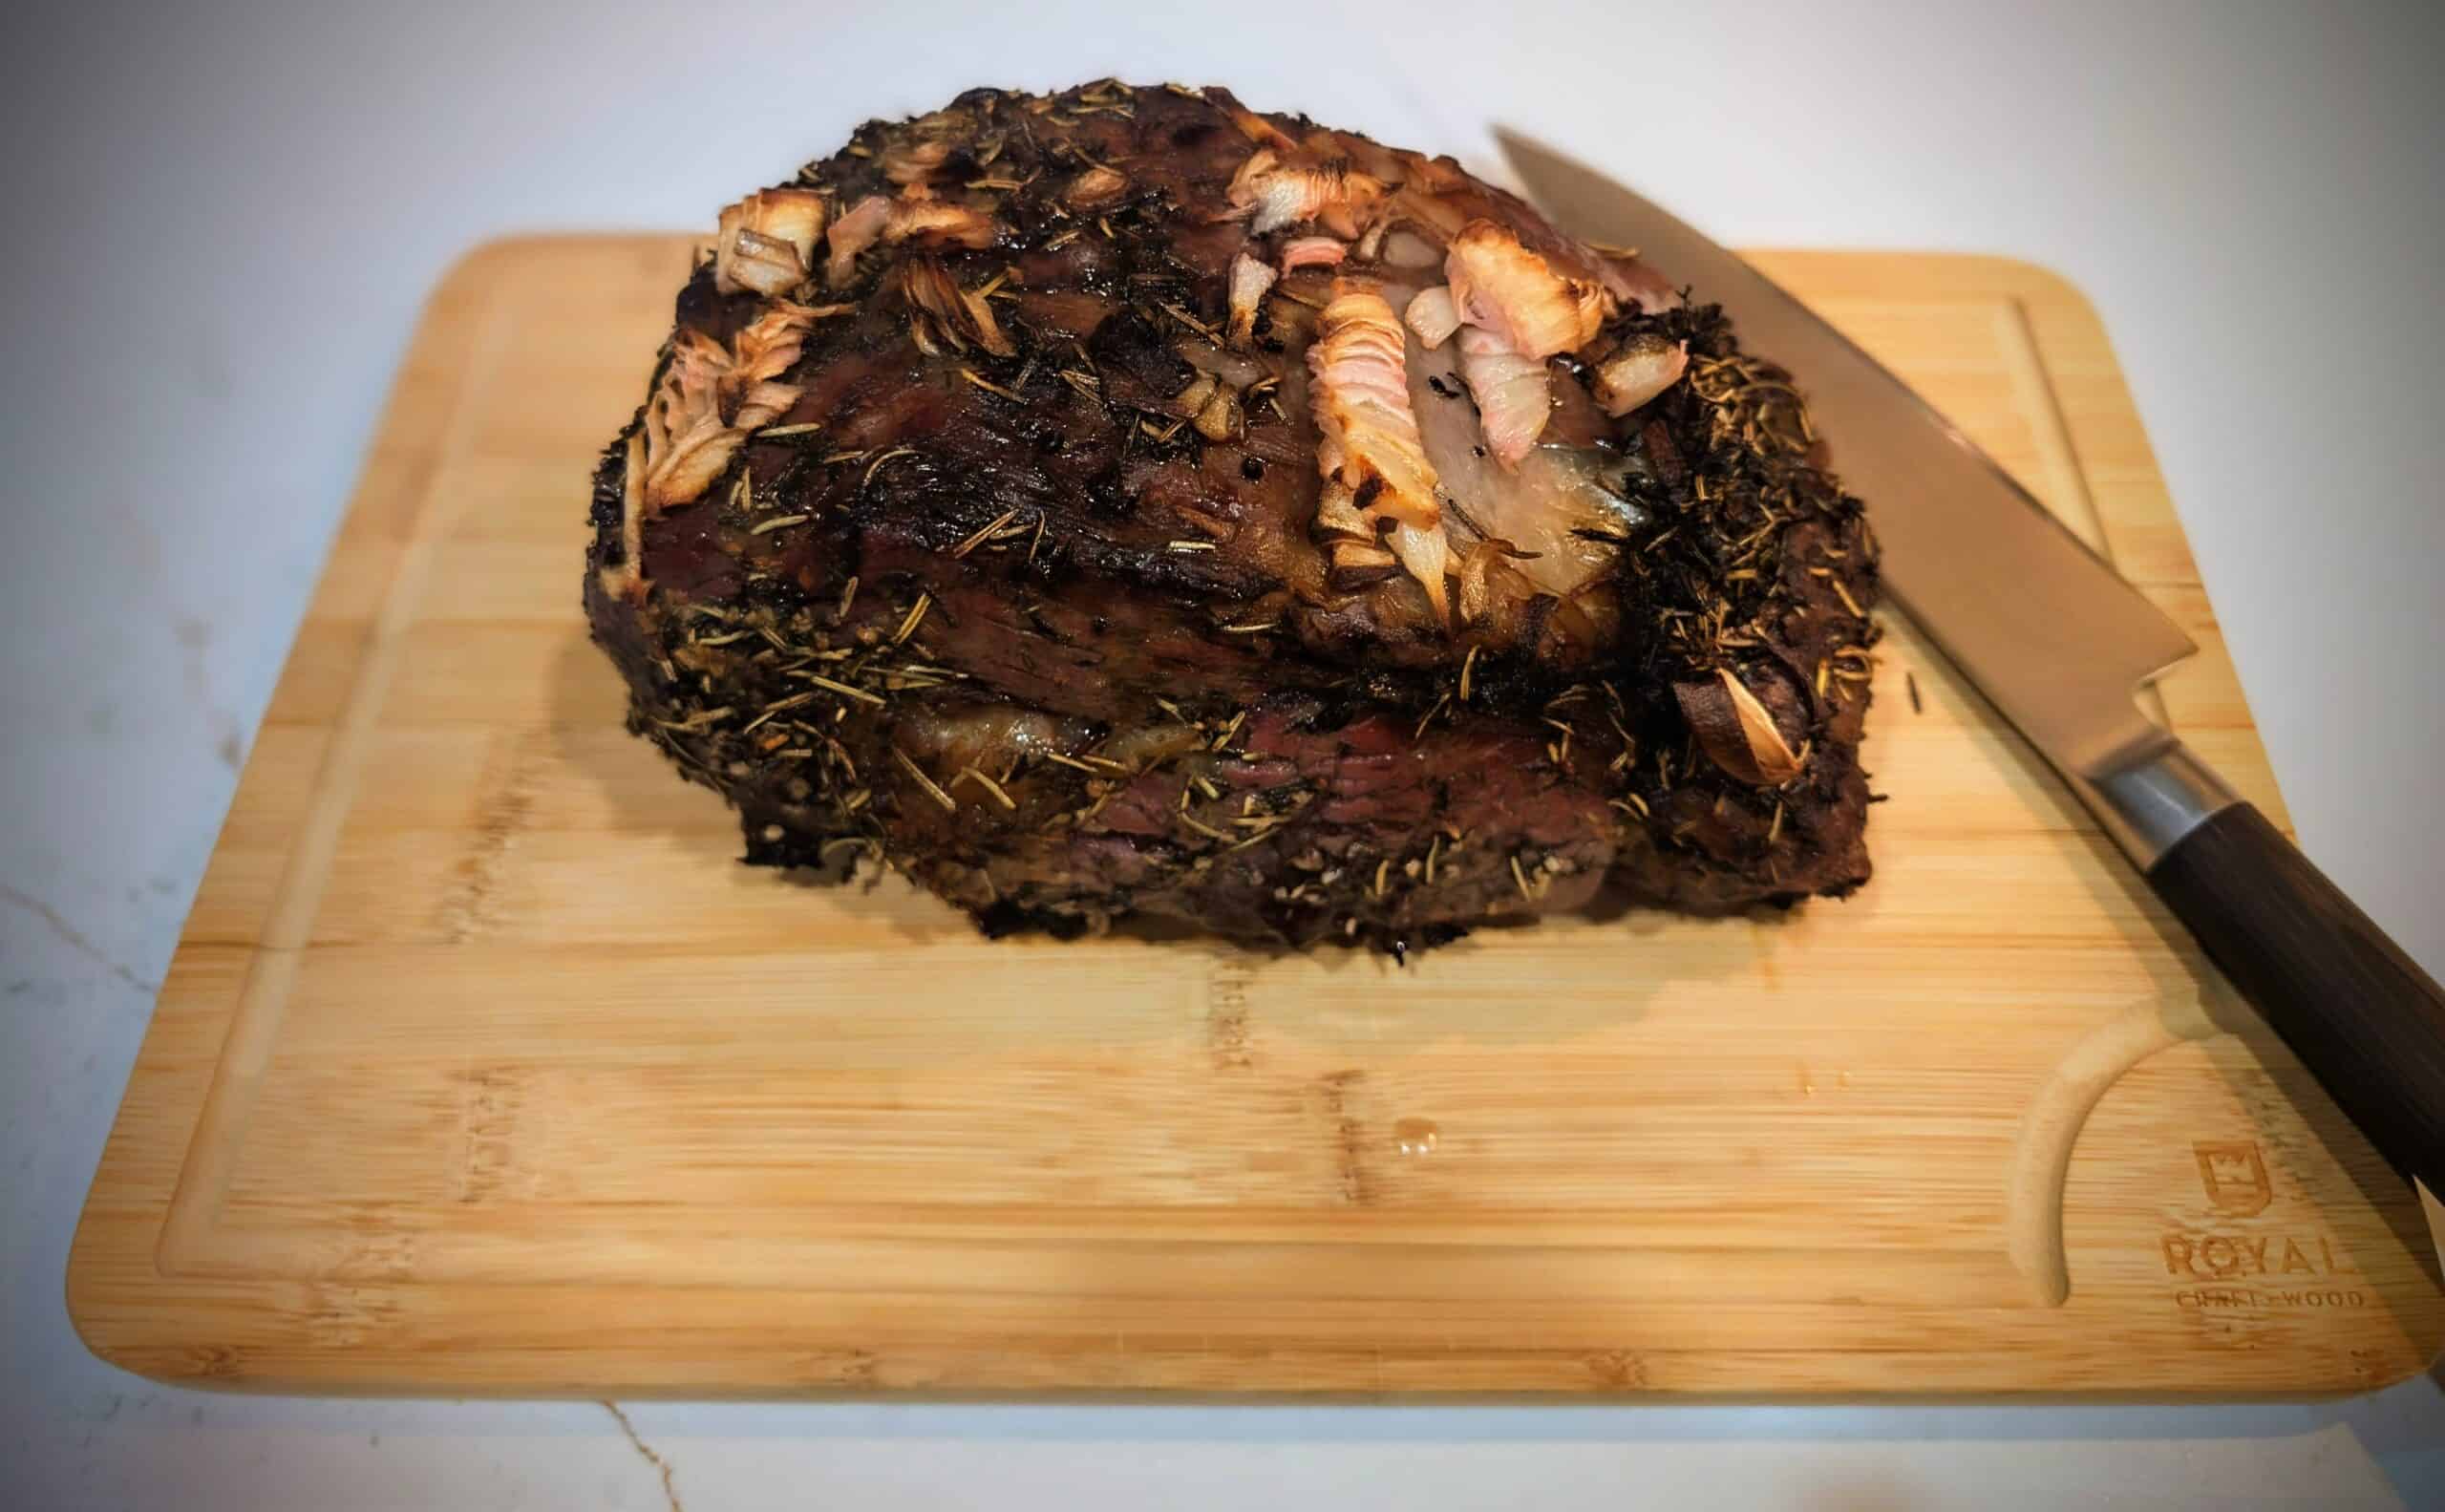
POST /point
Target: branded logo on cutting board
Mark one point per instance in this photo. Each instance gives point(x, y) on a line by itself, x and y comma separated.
point(2251, 1272)
point(2218, 1256)
point(2234, 1176)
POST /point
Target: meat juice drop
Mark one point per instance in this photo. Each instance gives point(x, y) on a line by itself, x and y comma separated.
point(1416, 1135)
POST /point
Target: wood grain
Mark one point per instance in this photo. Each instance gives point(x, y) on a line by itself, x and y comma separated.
point(482, 1065)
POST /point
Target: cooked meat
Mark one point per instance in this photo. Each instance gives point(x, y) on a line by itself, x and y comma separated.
point(1124, 502)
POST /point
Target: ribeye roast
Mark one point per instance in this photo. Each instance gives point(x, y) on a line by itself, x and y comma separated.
point(1125, 502)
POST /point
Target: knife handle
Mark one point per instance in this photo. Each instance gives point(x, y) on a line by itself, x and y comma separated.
point(2368, 1023)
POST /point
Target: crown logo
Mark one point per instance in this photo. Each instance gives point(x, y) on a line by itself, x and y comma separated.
point(2233, 1174)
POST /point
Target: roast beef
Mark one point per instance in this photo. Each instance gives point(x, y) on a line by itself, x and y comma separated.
point(1124, 502)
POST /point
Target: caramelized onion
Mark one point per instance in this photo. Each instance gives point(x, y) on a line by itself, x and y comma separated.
point(767, 241)
point(1311, 252)
point(1477, 575)
point(853, 233)
point(1426, 556)
point(1513, 399)
point(1255, 127)
point(936, 222)
point(1634, 283)
point(964, 316)
point(1432, 315)
point(1644, 368)
point(711, 397)
point(1409, 249)
point(1281, 193)
point(1362, 407)
point(1501, 285)
point(914, 161)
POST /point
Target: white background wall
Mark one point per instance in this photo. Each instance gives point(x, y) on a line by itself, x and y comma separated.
point(219, 222)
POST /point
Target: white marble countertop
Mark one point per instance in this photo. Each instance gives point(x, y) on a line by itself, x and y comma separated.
point(223, 219)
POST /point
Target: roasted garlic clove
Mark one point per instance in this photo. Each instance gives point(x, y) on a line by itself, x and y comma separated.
point(1337, 515)
point(1735, 731)
point(1251, 278)
point(1097, 185)
point(1220, 419)
point(1353, 565)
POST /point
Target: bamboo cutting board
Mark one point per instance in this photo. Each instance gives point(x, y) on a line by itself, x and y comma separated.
point(485, 1067)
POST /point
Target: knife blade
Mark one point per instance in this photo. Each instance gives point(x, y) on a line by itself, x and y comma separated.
point(2046, 630)
point(2060, 645)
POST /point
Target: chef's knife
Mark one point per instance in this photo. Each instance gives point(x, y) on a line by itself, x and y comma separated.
point(2061, 645)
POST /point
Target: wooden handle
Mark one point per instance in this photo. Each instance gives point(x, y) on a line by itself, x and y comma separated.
point(2368, 1023)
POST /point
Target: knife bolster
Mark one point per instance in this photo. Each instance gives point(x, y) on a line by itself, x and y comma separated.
point(2152, 805)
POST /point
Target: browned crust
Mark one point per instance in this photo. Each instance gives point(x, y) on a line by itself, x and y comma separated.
point(966, 530)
